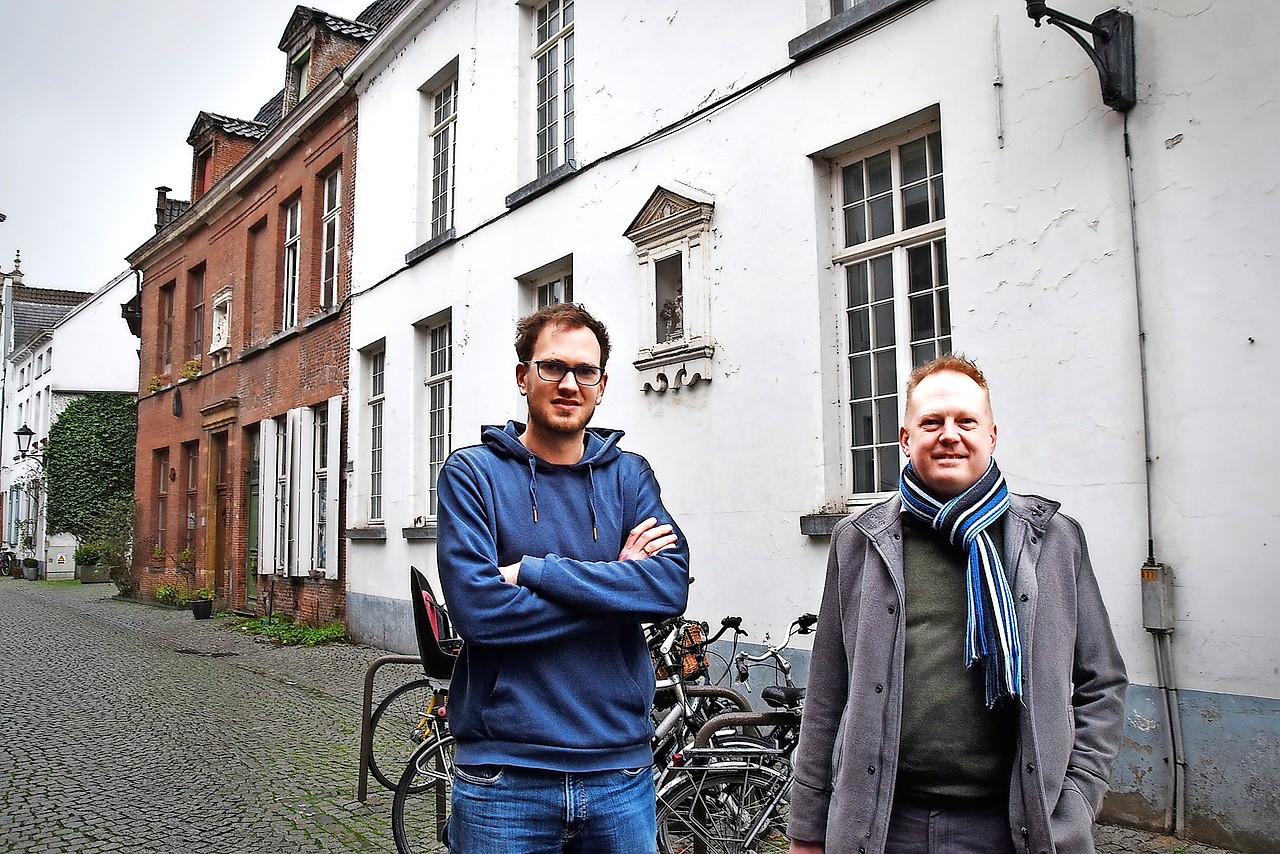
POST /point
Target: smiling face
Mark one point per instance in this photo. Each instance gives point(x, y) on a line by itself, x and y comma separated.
point(948, 433)
point(560, 410)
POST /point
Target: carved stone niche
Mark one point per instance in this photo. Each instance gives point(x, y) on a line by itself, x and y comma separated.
point(672, 236)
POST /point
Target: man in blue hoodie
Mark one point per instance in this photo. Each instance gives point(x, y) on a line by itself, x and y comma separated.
point(554, 547)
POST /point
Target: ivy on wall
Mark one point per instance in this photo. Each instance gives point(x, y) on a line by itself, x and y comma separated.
point(90, 463)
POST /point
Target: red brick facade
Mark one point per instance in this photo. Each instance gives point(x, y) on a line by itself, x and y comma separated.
point(263, 371)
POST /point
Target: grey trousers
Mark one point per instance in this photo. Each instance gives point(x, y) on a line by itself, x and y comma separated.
point(919, 829)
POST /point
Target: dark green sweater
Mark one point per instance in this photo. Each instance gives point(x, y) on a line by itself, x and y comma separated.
point(953, 748)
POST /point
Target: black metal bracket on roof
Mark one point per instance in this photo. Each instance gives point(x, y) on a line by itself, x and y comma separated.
point(1111, 51)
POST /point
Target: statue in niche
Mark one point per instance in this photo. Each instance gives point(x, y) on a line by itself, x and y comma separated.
point(672, 316)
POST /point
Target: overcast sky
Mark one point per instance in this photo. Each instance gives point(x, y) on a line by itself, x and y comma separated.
point(96, 100)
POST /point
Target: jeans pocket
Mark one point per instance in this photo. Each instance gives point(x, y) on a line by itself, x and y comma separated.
point(479, 775)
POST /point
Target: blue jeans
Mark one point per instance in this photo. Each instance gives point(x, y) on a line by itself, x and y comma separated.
point(503, 809)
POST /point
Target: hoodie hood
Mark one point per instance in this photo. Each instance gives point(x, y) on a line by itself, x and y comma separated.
point(601, 449)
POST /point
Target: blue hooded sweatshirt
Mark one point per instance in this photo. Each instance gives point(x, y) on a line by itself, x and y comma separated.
point(555, 673)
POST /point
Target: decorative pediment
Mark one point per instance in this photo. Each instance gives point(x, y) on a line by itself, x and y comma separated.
point(671, 210)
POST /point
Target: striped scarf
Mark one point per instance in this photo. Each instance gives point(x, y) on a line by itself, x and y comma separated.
point(991, 635)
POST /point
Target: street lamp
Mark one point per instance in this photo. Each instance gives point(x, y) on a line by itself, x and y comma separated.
point(25, 434)
point(1111, 51)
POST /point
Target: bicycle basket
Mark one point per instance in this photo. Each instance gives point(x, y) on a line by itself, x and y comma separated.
point(690, 650)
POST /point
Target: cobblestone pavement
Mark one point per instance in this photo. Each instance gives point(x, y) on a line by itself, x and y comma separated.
point(134, 728)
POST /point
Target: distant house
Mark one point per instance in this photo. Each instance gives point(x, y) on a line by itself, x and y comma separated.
point(244, 326)
point(34, 394)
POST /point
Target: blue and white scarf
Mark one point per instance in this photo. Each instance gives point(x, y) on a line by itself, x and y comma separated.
point(991, 635)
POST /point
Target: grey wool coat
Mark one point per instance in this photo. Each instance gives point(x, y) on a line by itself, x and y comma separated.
point(1073, 686)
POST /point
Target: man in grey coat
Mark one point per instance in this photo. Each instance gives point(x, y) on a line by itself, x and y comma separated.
point(966, 695)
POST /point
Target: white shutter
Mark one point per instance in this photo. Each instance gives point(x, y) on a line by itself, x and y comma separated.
point(297, 488)
point(267, 495)
point(333, 463)
point(305, 490)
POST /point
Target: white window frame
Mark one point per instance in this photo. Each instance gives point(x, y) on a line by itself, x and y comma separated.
point(292, 264)
point(437, 342)
point(879, 396)
point(322, 529)
point(330, 237)
point(444, 147)
point(553, 66)
point(376, 402)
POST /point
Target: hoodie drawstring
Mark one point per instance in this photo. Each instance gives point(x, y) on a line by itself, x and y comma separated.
point(533, 486)
point(591, 494)
point(591, 500)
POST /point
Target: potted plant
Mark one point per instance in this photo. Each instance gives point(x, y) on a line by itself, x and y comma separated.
point(202, 603)
point(158, 554)
point(190, 370)
point(93, 562)
point(185, 559)
point(30, 568)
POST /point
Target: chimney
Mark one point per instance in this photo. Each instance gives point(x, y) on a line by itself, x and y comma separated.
point(162, 206)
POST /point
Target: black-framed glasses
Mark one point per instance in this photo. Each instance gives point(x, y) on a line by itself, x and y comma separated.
point(554, 371)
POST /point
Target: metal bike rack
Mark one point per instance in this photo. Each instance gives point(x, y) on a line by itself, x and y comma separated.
point(366, 712)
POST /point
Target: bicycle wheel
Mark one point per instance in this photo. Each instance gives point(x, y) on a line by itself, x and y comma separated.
point(421, 805)
point(399, 725)
point(724, 812)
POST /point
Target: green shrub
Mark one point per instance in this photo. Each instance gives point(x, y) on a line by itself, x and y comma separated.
point(92, 553)
point(170, 594)
point(284, 631)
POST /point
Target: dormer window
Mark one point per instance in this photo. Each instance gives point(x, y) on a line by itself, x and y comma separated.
point(203, 171)
point(299, 74)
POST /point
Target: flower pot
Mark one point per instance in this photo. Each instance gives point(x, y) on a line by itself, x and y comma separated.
point(202, 609)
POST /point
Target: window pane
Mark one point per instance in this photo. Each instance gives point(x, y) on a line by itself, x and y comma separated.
point(860, 376)
point(882, 276)
point(887, 418)
point(864, 470)
point(919, 268)
point(879, 174)
point(882, 216)
point(863, 424)
point(852, 179)
point(935, 152)
point(882, 321)
point(923, 352)
point(855, 225)
point(886, 364)
point(859, 330)
point(856, 279)
point(915, 205)
point(914, 165)
point(889, 467)
point(922, 317)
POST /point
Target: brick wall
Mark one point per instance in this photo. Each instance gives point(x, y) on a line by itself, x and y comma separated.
point(269, 370)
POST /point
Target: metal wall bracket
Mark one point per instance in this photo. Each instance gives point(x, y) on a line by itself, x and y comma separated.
point(1111, 50)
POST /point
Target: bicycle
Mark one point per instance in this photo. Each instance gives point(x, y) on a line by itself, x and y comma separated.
point(423, 790)
point(728, 796)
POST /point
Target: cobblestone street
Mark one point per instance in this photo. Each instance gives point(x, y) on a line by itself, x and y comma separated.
point(133, 728)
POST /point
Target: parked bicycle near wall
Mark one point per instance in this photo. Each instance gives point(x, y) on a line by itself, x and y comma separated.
point(731, 797)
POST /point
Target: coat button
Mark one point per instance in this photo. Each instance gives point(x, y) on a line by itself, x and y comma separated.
point(1034, 540)
point(1031, 767)
point(879, 689)
point(1023, 830)
point(892, 609)
point(1024, 597)
point(871, 769)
